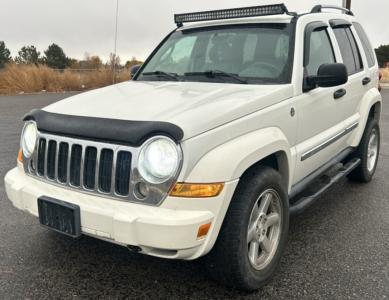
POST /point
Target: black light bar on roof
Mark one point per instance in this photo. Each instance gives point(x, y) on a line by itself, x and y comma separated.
point(234, 13)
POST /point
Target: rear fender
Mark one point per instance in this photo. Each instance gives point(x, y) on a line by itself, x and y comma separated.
point(373, 97)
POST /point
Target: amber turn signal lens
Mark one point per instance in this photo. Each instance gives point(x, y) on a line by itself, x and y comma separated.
point(203, 230)
point(197, 190)
point(20, 156)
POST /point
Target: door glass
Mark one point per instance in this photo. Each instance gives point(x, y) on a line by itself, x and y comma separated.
point(349, 50)
point(356, 53)
point(320, 51)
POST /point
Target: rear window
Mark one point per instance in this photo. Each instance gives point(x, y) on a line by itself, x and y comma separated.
point(366, 44)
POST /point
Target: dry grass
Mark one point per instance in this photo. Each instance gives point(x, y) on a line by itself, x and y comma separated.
point(16, 79)
point(385, 74)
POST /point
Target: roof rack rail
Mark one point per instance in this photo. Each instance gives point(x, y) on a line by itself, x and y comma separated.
point(253, 11)
point(318, 9)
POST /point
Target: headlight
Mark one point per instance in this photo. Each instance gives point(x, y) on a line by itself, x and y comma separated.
point(158, 160)
point(29, 139)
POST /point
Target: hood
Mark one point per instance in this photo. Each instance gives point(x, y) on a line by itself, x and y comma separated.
point(196, 107)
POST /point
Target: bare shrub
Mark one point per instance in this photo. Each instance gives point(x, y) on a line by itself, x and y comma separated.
point(385, 75)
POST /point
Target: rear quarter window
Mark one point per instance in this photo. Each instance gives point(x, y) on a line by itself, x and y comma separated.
point(366, 44)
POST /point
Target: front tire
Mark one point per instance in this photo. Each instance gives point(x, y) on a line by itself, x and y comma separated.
point(368, 151)
point(253, 235)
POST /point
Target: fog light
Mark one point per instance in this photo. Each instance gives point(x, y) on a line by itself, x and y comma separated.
point(142, 190)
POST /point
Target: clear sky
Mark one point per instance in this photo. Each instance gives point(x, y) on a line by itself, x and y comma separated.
point(89, 25)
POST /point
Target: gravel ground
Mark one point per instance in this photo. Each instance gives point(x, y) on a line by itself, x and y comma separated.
point(337, 249)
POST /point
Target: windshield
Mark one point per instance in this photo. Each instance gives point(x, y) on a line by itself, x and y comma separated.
point(254, 54)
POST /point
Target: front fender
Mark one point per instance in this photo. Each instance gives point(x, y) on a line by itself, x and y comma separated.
point(230, 160)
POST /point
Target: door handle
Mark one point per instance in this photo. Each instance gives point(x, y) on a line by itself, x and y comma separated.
point(366, 80)
point(339, 93)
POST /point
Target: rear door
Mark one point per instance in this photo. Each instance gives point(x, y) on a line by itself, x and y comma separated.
point(359, 80)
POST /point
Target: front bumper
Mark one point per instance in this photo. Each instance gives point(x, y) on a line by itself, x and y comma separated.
point(169, 230)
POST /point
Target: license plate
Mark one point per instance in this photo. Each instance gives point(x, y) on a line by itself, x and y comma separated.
point(60, 216)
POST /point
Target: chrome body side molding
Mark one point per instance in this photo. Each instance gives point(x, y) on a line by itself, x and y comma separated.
point(327, 143)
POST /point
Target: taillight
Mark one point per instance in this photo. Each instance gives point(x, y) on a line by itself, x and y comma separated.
point(379, 78)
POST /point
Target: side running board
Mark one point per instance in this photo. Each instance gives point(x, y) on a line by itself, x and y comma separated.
point(305, 202)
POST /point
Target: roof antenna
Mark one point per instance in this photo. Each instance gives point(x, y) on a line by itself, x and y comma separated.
point(116, 32)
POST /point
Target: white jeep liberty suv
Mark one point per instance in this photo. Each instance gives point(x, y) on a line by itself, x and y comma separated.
point(207, 150)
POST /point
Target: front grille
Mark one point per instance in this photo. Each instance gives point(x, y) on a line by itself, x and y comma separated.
point(90, 168)
point(51, 153)
point(41, 157)
point(96, 168)
point(63, 162)
point(85, 167)
point(122, 173)
point(75, 165)
point(105, 170)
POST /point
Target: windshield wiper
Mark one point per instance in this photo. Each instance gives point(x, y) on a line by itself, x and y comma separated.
point(214, 73)
point(173, 76)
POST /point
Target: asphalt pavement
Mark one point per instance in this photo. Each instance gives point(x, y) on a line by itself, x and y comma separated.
point(337, 249)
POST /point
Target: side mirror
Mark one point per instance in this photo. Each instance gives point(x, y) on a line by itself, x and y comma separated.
point(329, 75)
point(134, 69)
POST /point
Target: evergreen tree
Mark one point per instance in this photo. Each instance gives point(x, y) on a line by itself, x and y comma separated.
point(5, 55)
point(28, 55)
point(382, 53)
point(55, 57)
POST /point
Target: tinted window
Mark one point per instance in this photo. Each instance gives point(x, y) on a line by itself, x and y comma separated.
point(320, 51)
point(366, 44)
point(349, 49)
point(356, 53)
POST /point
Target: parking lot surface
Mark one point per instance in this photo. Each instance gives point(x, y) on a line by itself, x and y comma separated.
point(337, 249)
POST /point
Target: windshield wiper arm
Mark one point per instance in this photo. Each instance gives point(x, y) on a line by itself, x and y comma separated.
point(217, 73)
point(170, 75)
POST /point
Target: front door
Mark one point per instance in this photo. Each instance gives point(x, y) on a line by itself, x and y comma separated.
point(320, 113)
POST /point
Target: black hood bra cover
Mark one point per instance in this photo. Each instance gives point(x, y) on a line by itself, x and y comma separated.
point(133, 133)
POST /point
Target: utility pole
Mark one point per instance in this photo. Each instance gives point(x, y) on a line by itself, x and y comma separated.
point(116, 33)
point(347, 4)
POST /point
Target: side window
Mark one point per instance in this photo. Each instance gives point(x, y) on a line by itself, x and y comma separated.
point(356, 53)
point(349, 49)
point(320, 51)
point(366, 44)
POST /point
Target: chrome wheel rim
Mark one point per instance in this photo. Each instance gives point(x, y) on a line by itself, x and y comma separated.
point(264, 229)
point(372, 150)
